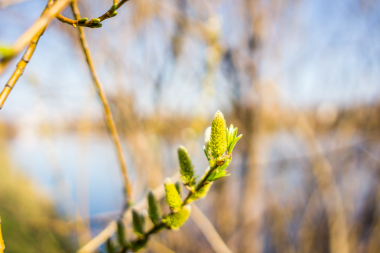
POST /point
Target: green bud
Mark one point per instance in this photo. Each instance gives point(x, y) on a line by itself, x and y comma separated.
point(218, 139)
point(176, 220)
point(114, 14)
point(82, 20)
point(113, 8)
point(110, 247)
point(187, 168)
point(121, 233)
point(96, 25)
point(172, 197)
point(95, 21)
point(138, 223)
point(154, 209)
point(178, 187)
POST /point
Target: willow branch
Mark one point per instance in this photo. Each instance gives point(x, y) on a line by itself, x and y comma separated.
point(107, 109)
point(107, 232)
point(23, 62)
point(90, 23)
point(36, 28)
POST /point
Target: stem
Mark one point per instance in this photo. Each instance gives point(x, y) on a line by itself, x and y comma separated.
point(107, 110)
point(75, 22)
point(199, 185)
point(23, 62)
point(38, 26)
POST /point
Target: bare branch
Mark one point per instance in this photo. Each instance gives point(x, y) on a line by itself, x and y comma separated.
point(107, 109)
point(36, 28)
point(23, 62)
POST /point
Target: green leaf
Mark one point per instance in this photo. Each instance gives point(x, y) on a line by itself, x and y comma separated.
point(231, 148)
point(154, 209)
point(178, 186)
point(211, 176)
point(121, 234)
point(206, 153)
point(137, 223)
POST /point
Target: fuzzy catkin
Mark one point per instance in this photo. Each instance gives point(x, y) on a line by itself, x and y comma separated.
point(176, 220)
point(172, 196)
point(218, 139)
point(187, 168)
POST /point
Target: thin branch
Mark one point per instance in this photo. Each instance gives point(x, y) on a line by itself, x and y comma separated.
point(93, 23)
point(106, 233)
point(23, 62)
point(107, 109)
point(36, 28)
point(208, 230)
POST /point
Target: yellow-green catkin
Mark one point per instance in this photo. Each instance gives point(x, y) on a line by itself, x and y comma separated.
point(202, 192)
point(187, 168)
point(154, 210)
point(218, 139)
point(176, 220)
point(173, 199)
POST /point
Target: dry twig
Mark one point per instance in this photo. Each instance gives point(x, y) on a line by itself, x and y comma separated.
point(23, 62)
point(107, 109)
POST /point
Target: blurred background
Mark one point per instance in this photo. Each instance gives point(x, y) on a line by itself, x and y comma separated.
point(300, 79)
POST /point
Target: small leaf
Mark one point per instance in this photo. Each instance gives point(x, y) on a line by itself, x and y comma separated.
point(121, 234)
point(137, 223)
point(178, 187)
point(211, 176)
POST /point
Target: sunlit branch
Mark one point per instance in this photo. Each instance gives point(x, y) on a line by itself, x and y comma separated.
point(107, 110)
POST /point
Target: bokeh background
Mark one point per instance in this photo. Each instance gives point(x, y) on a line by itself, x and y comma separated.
point(300, 79)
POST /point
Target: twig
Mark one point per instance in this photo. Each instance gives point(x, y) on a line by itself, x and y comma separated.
point(23, 62)
point(208, 230)
point(36, 28)
point(98, 240)
point(107, 109)
point(90, 23)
